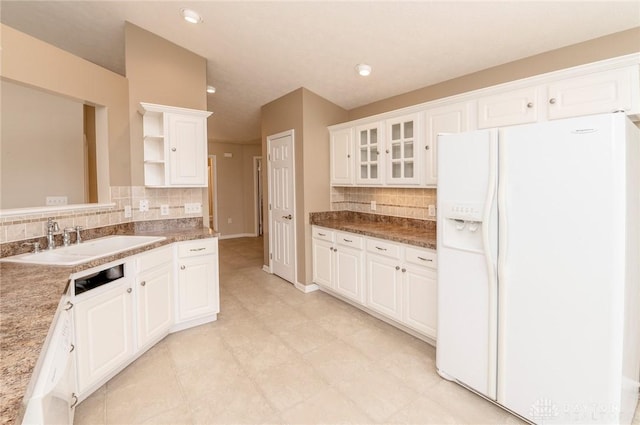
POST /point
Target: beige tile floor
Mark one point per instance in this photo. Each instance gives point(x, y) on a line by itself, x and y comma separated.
point(276, 355)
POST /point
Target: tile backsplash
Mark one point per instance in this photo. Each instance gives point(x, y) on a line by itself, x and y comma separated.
point(33, 225)
point(397, 202)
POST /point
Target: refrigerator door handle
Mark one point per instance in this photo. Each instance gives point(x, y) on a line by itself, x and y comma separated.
point(490, 263)
point(502, 258)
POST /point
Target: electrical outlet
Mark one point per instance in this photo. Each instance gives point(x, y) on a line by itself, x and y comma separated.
point(373, 205)
point(56, 200)
point(164, 209)
point(192, 208)
point(229, 220)
point(127, 211)
point(144, 205)
point(432, 210)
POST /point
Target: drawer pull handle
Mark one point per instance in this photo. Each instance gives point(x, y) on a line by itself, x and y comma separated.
point(74, 397)
point(322, 234)
point(347, 240)
point(381, 249)
point(197, 249)
point(69, 306)
point(425, 259)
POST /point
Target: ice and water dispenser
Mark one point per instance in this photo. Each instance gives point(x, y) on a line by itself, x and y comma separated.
point(462, 226)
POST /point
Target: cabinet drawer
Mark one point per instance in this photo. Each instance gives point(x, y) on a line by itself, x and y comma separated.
point(349, 239)
point(388, 249)
point(198, 247)
point(322, 233)
point(421, 257)
point(154, 258)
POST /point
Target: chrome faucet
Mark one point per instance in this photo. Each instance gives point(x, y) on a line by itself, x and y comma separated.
point(52, 226)
point(66, 236)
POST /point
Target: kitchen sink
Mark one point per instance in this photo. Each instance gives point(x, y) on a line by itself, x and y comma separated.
point(87, 251)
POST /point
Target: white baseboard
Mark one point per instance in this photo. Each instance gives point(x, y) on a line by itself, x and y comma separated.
point(266, 269)
point(238, 235)
point(306, 288)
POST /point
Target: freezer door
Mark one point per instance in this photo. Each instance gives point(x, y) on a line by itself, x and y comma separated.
point(467, 323)
point(561, 198)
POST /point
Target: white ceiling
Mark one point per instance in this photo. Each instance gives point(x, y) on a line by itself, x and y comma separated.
point(259, 51)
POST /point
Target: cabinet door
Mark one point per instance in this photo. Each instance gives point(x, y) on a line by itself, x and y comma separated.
point(155, 304)
point(323, 262)
point(368, 150)
point(445, 119)
point(384, 293)
point(510, 108)
point(600, 92)
point(187, 143)
point(420, 299)
point(104, 333)
point(348, 275)
point(404, 141)
point(197, 287)
point(341, 157)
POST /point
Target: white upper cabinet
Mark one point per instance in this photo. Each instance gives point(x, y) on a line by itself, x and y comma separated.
point(601, 92)
point(443, 119)
point(369, 147)
point(341, 160)
point(404, 142)
point(175, 146)
point(510, 108)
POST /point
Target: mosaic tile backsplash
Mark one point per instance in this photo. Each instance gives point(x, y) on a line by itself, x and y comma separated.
point(397, 202)
point(19, 227)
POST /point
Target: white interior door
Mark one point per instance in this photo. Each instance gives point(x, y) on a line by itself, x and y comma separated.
point(282, 201)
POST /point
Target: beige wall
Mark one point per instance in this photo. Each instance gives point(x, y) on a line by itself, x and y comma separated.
point(159, 72)
point(31, 62)
point(235, 187)
point(606, 47)
point(40, 160)
point(318, 113)
point(308, 115)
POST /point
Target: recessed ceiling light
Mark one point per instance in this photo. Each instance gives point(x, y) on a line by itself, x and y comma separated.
point(191, 16)
point(363, 69)
point(211, 89)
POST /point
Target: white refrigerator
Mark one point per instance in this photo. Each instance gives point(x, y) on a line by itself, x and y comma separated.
point(539, 267)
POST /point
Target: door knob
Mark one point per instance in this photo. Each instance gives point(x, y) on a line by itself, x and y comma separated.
point(288, 217)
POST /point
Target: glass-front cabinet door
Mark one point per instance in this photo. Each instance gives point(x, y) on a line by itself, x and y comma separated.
point(404, 140)
point(369, 147)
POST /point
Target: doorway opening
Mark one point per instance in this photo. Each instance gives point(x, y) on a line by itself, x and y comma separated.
point(257, 195)
point(213, 192)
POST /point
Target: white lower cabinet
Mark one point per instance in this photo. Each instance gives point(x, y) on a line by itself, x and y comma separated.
point(154, 286)
point(395, 280)
point(104, 332)
point(197, 283)
point(338, 261)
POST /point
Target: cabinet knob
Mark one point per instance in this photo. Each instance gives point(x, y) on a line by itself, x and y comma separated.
point(182, 267)
point(397, 267)
point(552, 100)
point(129, 290)
point(348, 156)
point(143, 283)
point(404, 270)
point(427, 147)
point(73, 347)
point(387, 151)
point(530, 105)
point(173, 149)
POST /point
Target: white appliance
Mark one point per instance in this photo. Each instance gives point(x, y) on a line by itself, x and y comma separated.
point(539, 267)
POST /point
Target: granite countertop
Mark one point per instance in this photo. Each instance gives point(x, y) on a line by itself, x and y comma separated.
point(29, 297)
point(410, 231)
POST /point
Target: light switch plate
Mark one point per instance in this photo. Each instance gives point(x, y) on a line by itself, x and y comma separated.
point(373, 205)
point(432, 210)
point(127, 211)
point(56, 200)
point(192, 208)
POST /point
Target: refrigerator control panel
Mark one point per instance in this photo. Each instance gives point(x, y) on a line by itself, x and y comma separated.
point(463, 211)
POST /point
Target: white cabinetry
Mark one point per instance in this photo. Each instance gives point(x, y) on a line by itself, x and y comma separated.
point(197, 283)
point(452, 118)
point(104, 331)
point(341, 147)
point(420, 290)
point(601, 92)
point(384, 286)
point(510, 108)
point(175, 146)
point(154, 286)
point(404, 142)
point(369, 146)
point(338, 261)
